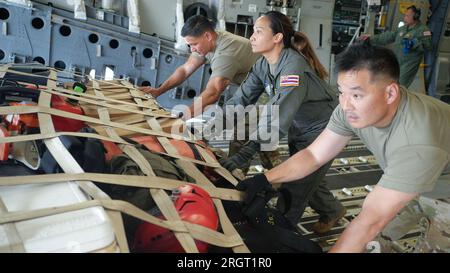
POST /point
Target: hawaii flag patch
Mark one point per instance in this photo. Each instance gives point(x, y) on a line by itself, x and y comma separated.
point(290, 80)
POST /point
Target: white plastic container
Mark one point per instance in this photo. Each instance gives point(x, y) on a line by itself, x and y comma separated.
point(86, 230)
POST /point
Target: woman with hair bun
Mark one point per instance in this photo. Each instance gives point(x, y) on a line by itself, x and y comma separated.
point(293, 77)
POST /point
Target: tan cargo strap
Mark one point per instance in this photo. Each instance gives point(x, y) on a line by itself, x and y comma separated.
point(198, 232)
point(70, 165)
point(4, 69)
point(116, 179)
point(115, 84)
point(111, 106)
point(50, 111)
point(161, 198)
point(15, 242)
point(151, 120)
point(63, 92)
point(22, 138)
point(192, 171)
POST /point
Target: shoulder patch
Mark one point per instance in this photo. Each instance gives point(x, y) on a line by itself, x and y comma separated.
point(290, 80)
point(427, 33)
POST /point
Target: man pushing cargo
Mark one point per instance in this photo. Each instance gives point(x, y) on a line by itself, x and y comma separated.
point(409, 135)
point(229, 55)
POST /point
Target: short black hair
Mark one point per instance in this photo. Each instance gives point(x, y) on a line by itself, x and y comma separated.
point(196, 26)
point(363, 55)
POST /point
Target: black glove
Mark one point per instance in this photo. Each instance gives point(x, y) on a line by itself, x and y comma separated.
point(241, 158)
point(258, 191)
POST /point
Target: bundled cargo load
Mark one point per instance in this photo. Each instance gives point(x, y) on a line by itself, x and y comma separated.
point(57, 197)
point(98, 166)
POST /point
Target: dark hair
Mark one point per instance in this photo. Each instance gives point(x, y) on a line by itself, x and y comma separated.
point(363, 55)
point(280, 23)
point(417, 12)
point(196, 26)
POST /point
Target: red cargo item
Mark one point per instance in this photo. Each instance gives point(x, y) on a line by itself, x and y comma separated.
point(111, 149)
point(20, 123)
point(151, 143)
point(4, 147)
point(194, 205)
point(66, 124)
point(183, 148)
